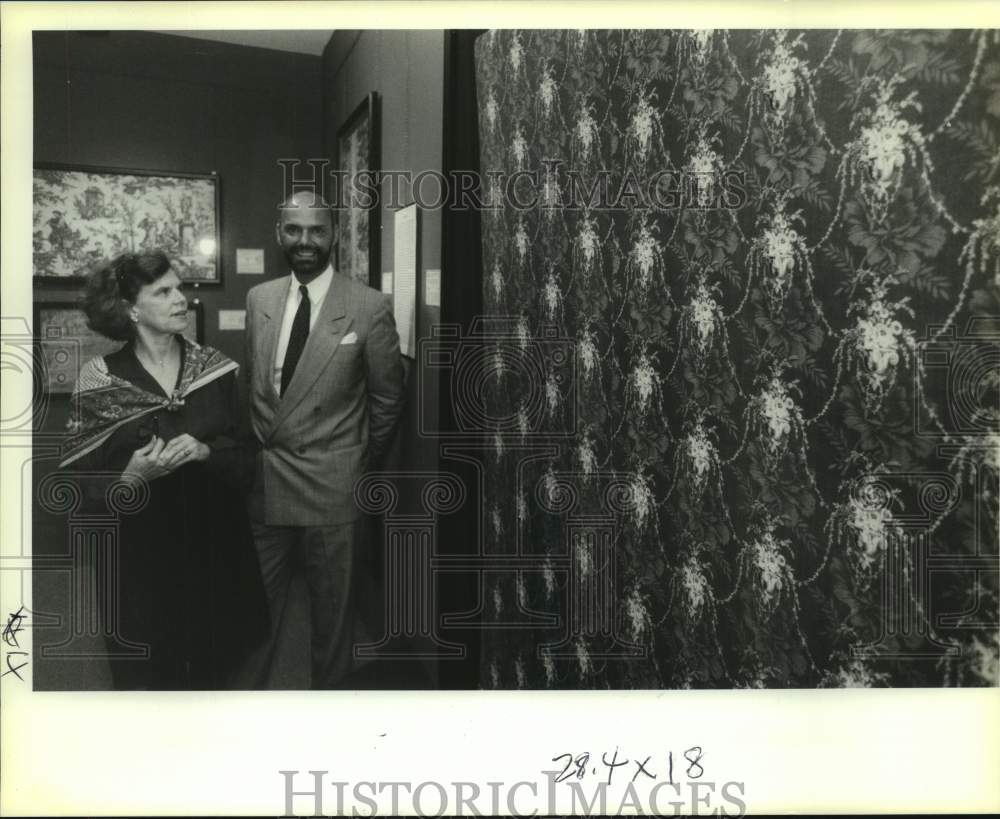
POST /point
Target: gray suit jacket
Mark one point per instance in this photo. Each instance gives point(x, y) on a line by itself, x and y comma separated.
point(339, 411)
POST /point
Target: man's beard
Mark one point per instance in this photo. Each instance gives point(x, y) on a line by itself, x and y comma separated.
point(307, 266)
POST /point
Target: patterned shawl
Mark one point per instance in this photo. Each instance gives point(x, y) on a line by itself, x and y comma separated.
point(103, 402)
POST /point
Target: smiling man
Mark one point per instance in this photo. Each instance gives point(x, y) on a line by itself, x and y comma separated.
point(326, 384)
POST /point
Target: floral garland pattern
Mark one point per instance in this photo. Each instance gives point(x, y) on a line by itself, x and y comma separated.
point(750, 367)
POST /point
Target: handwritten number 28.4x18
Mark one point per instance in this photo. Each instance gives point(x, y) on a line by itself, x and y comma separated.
point(580, 765)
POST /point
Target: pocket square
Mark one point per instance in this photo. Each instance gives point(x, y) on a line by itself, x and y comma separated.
point(350, 338)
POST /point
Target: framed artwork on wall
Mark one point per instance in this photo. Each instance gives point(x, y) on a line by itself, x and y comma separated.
point(66, 342)
point(83, 216)
point(358, 220)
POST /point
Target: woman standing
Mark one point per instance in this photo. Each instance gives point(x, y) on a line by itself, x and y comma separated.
point(165, 411)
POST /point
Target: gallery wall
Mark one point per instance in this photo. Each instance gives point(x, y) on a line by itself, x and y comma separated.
point(137, 100)
point(144, 101)
point(406, 70)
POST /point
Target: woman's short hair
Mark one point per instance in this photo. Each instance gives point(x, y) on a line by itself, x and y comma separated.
point(112, 288)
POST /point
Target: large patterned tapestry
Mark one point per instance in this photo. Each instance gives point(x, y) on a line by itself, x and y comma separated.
point(761, 389)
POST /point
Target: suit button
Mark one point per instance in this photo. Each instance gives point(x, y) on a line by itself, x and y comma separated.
point(315, 409)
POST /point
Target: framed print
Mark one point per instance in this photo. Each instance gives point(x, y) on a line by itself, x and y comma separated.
point(83, 216)
point(358, 155)
point(66, 342)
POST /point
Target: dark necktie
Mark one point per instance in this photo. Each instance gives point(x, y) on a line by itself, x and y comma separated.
point(297, 340)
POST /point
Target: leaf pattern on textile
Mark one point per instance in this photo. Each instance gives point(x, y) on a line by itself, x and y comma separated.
point(759, 385)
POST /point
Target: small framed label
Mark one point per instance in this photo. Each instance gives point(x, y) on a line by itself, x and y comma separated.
point(432, 288)
point(232, 319)
point(250, 261)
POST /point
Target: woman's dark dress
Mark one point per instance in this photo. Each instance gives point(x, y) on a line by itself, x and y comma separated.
point(190, 584)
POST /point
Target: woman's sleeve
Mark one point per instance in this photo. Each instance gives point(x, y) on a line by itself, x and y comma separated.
point(92, 478)
point(233, 454)
point(98, 469)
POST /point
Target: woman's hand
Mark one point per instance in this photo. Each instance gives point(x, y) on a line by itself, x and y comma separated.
point(184, 449)
point(146, 462)
point(156, 459)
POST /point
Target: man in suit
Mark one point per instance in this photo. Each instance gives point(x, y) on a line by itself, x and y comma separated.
point(325, 391)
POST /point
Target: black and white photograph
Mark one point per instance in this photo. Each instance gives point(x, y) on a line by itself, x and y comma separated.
point(689, 380)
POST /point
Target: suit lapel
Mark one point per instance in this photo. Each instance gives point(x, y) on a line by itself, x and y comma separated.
point(321, 345)
point(273, 311)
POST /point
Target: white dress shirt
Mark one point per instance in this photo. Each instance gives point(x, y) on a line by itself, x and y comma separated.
point(317, 289)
